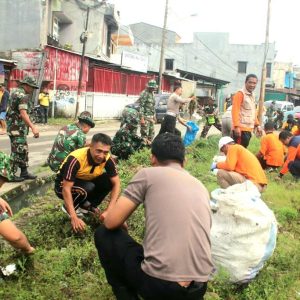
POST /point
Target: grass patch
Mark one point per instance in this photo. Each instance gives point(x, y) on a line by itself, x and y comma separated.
point(66, 265)
point(66, 121)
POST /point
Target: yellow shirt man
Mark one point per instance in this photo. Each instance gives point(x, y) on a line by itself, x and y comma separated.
point(44, 99)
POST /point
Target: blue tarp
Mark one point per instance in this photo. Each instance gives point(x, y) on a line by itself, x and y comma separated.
point(190, 135)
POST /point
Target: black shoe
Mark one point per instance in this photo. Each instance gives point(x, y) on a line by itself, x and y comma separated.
point(17, 179)
point(28, 176)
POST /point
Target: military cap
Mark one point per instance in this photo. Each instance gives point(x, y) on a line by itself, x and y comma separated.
point(30, 81)
point(86, 117)
point(152, 84)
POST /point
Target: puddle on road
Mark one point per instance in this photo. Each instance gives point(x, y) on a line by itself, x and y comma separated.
point(24, 199)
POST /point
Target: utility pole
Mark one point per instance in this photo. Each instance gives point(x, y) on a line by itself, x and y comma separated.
point(264, 69)
point(83, 39)
point(162, 50)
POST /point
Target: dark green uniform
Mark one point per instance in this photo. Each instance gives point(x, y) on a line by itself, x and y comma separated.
point(127, 115)
point(17, 129)
point(69, 138)
point(147, 110)
point(126, 141)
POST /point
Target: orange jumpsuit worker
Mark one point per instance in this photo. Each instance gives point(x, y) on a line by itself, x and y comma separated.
point(239, 166)
point(296, 128)
point(292, 162)
point(271, 153)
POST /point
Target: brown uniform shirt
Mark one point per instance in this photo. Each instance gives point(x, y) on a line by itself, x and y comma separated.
point(174, 103)
point(177, 239)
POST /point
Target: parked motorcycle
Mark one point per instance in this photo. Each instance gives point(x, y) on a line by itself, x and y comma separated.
point(36, 115)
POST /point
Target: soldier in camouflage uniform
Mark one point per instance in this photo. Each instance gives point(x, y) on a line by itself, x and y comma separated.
point(126, 141)
point(69, 138)
point(126, 115)
point(7, 228)
point(147, 111)
point(18, 123)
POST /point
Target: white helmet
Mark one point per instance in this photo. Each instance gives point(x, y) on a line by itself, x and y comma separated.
point(224, 141)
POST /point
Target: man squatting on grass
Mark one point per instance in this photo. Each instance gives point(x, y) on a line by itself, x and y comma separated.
point(240, 165)
point(174, 261)
point(84, 179)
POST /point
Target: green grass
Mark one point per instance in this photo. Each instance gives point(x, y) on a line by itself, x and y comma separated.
point(65, 121)
point(66, 265)
point(60, 121)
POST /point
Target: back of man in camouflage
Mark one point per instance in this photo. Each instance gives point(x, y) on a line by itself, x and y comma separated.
point(147, 111)
point(126, 141)
point(68, 139)
point(18, 123)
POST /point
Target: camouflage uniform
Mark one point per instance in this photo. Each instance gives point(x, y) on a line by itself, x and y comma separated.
point(69, 138)
point(147, 110)
point(126, 141)
point(5, 171)
point(126, 115)
point(17, 128)
point(5, 166)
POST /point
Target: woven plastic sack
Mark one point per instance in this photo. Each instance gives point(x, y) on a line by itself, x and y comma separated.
point(244, 229)
point(190, 135)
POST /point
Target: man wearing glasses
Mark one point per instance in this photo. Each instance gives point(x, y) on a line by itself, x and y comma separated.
point(84, 179)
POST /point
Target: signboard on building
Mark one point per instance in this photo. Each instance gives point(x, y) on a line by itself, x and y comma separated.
point(134, 61)
point(27, 60)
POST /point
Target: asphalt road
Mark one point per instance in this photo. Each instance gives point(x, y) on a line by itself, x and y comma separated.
point(39, 148)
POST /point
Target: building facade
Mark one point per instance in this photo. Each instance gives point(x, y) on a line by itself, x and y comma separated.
point(210, 55)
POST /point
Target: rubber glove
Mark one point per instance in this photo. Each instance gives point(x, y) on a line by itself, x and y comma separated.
point(213, 166)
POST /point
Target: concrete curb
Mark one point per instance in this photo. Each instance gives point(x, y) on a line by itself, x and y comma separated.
point(27, 185)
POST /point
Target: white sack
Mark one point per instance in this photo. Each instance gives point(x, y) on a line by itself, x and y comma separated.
point(244, 230)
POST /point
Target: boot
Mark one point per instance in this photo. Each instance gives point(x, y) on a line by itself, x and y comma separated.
point(16, 179)
point(26, 175)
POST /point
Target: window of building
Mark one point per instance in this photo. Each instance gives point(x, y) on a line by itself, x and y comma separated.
point(269, 66)
point(169, 64)
point(55, 28)
point(242, 67)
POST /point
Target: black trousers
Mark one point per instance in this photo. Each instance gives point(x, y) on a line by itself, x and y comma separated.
point(264, 164)
point(243, 139)
point(169, 125)
point(92, 191)
point(44, 112)
point(121, 259)
point(294, 168)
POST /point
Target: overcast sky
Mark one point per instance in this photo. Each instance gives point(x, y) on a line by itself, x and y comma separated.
point(245, 20)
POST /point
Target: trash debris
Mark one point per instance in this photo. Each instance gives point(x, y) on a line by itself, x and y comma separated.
point(9, 269)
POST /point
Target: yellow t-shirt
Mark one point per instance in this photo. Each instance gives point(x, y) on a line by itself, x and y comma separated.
point(44, 99)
